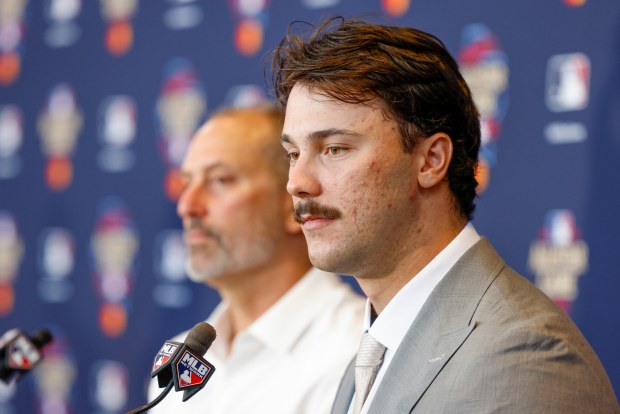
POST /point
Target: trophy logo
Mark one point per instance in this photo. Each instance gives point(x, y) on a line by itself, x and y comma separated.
point(559, 257)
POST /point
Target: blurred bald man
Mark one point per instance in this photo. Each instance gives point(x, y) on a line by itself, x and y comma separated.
point(285, 331)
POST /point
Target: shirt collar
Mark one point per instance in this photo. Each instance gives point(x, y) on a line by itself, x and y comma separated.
point(392, 324)
point(302, 304)
point(220, 322)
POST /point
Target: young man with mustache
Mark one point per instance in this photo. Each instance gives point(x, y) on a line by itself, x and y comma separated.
point(383, 137)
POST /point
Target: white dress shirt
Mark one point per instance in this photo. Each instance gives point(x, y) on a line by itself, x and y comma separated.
point(289, 361)
point(395, 320)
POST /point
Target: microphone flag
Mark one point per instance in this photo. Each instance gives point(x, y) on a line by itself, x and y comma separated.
point(163, 361)
point(179, 363)
point(191, 372)
point(20, 353)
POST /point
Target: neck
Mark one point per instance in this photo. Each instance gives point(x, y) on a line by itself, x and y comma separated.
point(428, 243)
point(250, 294)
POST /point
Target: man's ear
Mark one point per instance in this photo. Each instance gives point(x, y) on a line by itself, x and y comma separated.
point(435, 154)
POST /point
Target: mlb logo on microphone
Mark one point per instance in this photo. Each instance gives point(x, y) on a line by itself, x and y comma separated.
point(22, 354)
point(192, 370)
point(164, 354)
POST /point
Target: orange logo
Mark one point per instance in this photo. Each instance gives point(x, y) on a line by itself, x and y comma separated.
point(112, 319)
point(119, 34)
point(10, 65)
point(395, 7)
point(248, 37)
point(575, 3)
point(119, 38)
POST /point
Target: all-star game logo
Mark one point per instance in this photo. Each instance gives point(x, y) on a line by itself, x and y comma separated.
point(559, 257)
point(180, 109)
point(485, 68)
point(11, 253)
point(56, 377)
point(251, 19)
point(192, 370)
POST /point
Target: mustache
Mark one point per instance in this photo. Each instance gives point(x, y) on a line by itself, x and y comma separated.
point(314, 209)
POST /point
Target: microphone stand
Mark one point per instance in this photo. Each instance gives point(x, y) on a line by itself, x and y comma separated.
point(156, 401)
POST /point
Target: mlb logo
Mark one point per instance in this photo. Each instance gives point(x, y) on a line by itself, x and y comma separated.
point(22, 354)
point(560, 228)
point(192, 370)
point(164, 355)
point(568, 82)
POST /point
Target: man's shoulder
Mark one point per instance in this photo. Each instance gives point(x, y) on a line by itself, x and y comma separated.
point(524, 351)
point(517, 303)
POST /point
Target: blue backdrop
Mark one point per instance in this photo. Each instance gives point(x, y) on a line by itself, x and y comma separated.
point(98, 101)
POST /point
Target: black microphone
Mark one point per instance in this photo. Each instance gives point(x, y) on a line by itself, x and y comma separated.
point(20, 353)
point(191, 371)
point(182, 365)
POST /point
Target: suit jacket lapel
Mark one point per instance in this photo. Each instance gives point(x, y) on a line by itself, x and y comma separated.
point(345, 391)
point(443, 324)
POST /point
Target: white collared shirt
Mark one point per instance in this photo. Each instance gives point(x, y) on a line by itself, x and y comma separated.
point(289, 361)
point(395, 320)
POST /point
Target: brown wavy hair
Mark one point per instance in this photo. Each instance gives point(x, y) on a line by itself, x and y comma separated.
point(409, 71)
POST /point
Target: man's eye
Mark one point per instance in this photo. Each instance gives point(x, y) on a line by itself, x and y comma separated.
point(293, 156)
point(220, 180)
point(335, 151)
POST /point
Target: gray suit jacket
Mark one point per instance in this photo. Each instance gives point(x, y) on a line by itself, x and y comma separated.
point(488, 341)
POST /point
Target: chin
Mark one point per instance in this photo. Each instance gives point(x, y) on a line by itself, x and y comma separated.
point(197, 275)
point(324, 263)
point(339, 261)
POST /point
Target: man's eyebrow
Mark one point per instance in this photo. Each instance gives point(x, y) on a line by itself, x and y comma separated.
point(285, 138)
point(204, 171)
point(321, 134)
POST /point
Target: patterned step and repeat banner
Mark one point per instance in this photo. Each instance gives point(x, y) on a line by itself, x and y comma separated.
point(98, 102)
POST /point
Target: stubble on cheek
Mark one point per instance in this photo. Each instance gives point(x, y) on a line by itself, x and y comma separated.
point(363, 197)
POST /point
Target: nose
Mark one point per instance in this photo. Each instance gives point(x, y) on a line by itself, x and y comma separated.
point(302, 180)
point(192, 202)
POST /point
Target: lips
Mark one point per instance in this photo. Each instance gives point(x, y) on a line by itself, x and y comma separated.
point(315, 222)
point(307, 217)
point(197, 236)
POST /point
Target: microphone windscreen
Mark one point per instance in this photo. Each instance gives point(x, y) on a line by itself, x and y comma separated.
point(200, 338)
point(41, 338)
